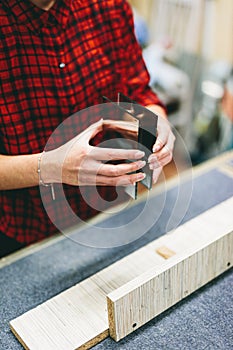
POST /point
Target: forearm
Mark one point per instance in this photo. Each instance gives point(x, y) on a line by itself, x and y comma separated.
point(18, 171)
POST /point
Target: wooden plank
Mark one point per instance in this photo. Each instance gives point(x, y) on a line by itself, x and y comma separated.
point(78, 317)
point(209, 254)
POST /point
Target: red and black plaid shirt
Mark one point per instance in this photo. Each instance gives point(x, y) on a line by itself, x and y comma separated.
point(53, 64)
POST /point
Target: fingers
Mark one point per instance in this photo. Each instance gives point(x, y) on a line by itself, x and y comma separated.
point(114, 154)
point(120, 125)
point(128, 130)
point(101, 180)
point(164, 133)
point(156, 173)
point(92, 172)
point(112, 170)
point(161, 163)
point(164, 155)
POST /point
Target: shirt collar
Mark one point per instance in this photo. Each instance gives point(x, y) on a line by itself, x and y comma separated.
point(35, 18)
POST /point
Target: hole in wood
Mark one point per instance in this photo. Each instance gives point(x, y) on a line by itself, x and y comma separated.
point(134, 325)
point(228, 264)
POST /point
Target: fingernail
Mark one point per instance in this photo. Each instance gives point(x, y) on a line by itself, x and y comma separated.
point(141, 176)
point(151, 167)
point(141, 163)
point(152, 159)
point(156, 148)
point(139, 154)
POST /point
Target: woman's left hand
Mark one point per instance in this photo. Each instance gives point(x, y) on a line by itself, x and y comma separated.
point(164, 145)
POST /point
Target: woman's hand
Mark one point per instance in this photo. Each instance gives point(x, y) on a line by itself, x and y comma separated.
point(83, 164)
point(163, 148)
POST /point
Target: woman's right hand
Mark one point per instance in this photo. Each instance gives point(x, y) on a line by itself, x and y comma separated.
point(78, 163)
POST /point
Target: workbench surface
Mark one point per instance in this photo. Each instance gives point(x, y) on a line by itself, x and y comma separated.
point(203, 320)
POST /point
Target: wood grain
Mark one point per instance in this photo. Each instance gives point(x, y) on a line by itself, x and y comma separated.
point(208, 254)
point(78, 317)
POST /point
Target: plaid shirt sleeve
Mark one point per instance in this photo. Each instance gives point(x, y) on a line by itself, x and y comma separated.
point(53, 64)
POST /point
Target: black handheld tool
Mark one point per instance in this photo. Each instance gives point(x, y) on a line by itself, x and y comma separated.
point(146, 120)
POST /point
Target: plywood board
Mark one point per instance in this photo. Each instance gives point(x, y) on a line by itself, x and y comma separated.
point(204, 249)
point(78, 317)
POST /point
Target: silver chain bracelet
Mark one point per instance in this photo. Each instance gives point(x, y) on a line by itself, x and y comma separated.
point(41, 182)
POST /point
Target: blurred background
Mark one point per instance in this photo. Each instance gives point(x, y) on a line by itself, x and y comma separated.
point(188, 49)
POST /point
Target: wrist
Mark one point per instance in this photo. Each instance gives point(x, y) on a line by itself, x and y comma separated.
point(41, 181)
point(48, 168)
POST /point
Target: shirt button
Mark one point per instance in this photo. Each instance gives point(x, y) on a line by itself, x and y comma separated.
point(62, 65)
